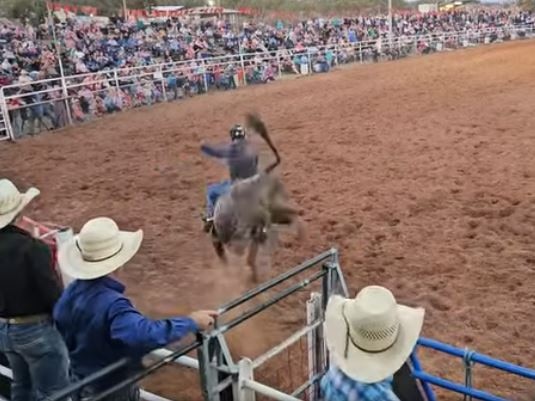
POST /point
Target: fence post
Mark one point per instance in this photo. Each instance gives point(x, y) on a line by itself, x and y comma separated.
point(204, 73)
point(279, 63)
point(5, 116)
point(309, 57)
point(245, 373)
point(242, 63)
point(164, 91)
point(360, 53)
point(66, 97)
point(208, 375)
point(314, 358)
point(116, 78)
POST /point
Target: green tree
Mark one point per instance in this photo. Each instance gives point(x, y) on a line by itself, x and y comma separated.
point(24, 10)
point(527, 4)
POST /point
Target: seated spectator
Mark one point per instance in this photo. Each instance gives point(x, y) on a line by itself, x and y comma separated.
point(29, 289)
point(99, 324)
point(369, 338)
point(124, 46)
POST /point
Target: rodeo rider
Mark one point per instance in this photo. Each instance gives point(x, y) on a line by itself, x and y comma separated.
point(242, 161)
point(29, 290)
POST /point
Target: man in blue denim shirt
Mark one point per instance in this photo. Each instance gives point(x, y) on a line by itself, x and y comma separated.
point(369, 339)
point(29, 289)
point(99, 324)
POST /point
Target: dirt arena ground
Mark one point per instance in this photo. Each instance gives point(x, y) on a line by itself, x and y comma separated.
point(420, 172)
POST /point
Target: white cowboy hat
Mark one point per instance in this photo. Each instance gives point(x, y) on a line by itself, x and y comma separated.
point(98, 250)
point(12, 202)
point(370, 337)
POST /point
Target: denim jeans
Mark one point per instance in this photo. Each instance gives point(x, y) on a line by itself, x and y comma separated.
point(38, 358)
point(213, 193)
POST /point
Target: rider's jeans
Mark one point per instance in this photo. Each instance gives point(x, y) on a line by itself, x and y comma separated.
point(213, 193)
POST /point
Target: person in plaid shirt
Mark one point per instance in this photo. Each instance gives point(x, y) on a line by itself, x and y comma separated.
point(369, 339)
point(336, 386)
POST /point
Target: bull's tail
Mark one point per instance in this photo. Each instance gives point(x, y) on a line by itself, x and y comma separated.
point(255, 122)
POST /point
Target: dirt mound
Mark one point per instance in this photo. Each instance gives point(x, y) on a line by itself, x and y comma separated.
point(420, 172)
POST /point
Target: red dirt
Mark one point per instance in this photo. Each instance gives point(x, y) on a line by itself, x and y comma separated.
point(419, 171)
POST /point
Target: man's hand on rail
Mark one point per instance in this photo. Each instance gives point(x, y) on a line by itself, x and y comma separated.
point(204, 319)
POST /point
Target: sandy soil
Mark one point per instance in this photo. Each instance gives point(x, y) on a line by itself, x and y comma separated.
point(419, 171)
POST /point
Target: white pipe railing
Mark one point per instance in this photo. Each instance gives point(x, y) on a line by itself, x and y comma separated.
point(148, 396)
point(259, 361)
point(185, 360)
point(267, 391)
point(145, 395)
point(6, 372)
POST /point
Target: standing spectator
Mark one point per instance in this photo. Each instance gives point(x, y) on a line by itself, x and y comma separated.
point(28, 291)
point(370, 338)
point(98, 322)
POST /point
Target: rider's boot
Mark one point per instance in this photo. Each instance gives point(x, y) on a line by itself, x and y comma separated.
point(260, 234)
point(208, 223)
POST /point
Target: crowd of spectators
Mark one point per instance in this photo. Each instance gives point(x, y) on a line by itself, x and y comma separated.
point(111, 65)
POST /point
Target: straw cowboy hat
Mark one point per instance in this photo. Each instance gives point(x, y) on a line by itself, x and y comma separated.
point(12, 202)
point(98, 250)
point(370, 337)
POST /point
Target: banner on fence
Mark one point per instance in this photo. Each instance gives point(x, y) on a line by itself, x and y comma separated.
point(87, 10)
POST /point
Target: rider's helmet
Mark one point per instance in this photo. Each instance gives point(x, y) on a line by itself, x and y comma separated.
point(237, 132)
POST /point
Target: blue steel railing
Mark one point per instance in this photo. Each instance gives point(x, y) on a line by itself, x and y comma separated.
point(469, 358)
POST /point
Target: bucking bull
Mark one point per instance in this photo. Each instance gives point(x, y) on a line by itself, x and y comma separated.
point(244, 216)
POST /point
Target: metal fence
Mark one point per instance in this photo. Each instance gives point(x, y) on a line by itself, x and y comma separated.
point(59, 102)
point(222, 378)
point(470, 358)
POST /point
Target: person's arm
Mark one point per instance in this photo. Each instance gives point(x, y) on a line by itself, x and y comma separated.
point(40, 263)
point(142, 334)
point(221, 152)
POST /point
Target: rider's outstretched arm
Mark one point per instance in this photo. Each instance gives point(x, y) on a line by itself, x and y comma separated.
point(221, 152)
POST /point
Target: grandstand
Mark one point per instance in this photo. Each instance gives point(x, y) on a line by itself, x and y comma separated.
point(146, 85)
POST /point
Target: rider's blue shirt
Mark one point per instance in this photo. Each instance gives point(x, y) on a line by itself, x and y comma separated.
point(241, 158)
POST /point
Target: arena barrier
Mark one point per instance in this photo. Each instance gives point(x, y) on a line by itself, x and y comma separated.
point(75, 99)
point(5, 126)
point(223, 379)
point(470, 358)
point(53, 235)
